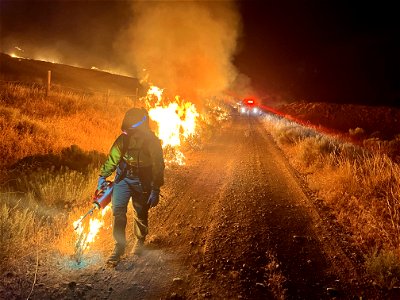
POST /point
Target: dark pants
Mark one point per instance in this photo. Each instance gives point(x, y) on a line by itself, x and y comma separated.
point(123, 191)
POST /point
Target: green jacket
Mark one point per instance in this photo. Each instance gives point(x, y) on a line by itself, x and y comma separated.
point(144, 152)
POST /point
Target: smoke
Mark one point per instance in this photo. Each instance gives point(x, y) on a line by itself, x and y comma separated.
point(185, 47)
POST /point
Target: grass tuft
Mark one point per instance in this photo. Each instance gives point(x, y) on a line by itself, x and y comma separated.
point(384, 266)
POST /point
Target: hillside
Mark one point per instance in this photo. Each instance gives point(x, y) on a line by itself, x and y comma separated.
point(33, 71)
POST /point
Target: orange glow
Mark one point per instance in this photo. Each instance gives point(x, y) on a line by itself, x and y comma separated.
point(13, 55)
point(176, 121)
point(84, 239)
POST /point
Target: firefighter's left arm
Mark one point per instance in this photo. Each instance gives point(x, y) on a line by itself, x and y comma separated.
point(158, 165)
point(113, 158)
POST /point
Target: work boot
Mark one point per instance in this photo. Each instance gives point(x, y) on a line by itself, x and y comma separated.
point(138, 247)
point(116, 255)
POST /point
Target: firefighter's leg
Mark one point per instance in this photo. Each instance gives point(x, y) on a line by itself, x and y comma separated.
point(120, 199)
point(140, 222)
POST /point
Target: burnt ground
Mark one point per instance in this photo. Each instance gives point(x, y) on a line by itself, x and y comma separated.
point(235, 222)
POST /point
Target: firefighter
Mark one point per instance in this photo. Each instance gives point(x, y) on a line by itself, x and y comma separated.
point(137, 157)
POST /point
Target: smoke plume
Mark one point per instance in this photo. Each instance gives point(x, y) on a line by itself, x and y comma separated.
point(184, 47)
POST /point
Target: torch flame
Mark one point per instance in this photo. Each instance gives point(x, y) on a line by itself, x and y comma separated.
point(84, 239)
point(94, 227)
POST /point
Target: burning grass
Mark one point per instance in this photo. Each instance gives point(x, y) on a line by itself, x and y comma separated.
point(361, 186)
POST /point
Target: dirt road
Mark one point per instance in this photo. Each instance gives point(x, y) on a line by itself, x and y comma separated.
point(234, 222)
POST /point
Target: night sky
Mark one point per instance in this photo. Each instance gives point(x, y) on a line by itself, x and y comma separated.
point(332, 51)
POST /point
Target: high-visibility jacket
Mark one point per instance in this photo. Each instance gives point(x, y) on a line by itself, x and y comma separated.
point(139, 154)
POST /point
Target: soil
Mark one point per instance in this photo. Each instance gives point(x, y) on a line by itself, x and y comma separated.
point(235, 222)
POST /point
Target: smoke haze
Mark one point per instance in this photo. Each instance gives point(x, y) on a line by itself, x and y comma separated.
point(184, 47)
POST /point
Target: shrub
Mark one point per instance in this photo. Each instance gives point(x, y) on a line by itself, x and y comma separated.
point(20, 228)
point(39, 212)
point(384, 266)
point(314, 150)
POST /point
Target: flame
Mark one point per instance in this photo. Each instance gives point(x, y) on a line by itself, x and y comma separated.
point(94, 227)
point(169, 124)
point(176, 121)
point(155, 92)
point(13, 55)
point(84, 239)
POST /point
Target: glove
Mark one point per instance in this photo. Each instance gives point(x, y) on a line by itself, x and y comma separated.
point(154, 198)
point(101, 182)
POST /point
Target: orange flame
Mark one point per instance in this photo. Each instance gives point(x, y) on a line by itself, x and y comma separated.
point(176, 121)
point(95, 224)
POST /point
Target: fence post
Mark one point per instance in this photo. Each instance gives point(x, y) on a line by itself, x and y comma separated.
point(48, 82)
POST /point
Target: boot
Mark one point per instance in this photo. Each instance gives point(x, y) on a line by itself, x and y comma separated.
point(116, 254)
point(138, 247)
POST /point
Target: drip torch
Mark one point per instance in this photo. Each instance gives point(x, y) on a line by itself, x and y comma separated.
point(101, 199)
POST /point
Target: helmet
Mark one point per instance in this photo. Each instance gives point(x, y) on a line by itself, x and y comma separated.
point(135, 118)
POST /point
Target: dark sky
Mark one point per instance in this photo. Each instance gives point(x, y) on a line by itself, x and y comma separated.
point(339, 51)
point(318, 50)
point(74, 32)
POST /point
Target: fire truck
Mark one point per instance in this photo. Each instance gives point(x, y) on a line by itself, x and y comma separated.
point(249, 106)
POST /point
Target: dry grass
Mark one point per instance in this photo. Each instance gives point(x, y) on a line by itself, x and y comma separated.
point(19, 227)
point(360, 184)
point(39, 211)
point(384, 265)
point(32, 124)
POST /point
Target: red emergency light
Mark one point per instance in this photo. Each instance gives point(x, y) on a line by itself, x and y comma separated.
point(249, 101)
